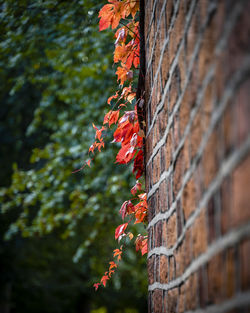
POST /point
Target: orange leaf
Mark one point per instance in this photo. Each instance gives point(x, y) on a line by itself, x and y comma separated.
point(111, 14)
point(104, 280)
point(111, 272)
point(111, 117)
point(112, 265)
point(112, 97)
point(117, 253)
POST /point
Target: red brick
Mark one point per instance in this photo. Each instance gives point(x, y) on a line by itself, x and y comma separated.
point(216, 282)
point(151, 264)
point(171, 231)
point(180, 261)
point(162, 122)
point(210, 161)
point(180, 22)
point(157, 300)
point(172, 298)
point(229, 129)
point(244, 264)
point(163, 206)
point(230, 283)
point(192, 35)
point(168, 150)
point(202, 286)
point(163, 269)
point(179, 213)
point(156, 167)
point(156, 134)
point(182, 296)
point(184, 116)
point(226, 203)
point(186, 154)
point(191, 286)
point(196, 133)
point(173, 92)
point(188, 198)
point(208, 104)
point(176, 131)
point(164, 233)
point(151, 207)
point(206, 55)
point(199, 234)
point(158, 234)
point(241, 198)
point(165, 67)
point(171, 268)
point(178, 173)
point(157, 206)
point(157, 268)
point(169, 12)
point(187, 250)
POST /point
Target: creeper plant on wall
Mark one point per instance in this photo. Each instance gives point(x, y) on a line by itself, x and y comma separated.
point(125, 113)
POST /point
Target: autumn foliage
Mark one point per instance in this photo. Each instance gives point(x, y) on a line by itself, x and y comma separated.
point(124, 115)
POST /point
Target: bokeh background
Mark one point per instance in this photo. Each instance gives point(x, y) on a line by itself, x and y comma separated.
point(57, 228)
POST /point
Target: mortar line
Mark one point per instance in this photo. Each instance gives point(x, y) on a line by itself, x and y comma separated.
point(216, 115)
point(228, 240)
point(236, 155)
point(225, 169)
point(176, 58)
point(233, 18)
point(172, 69)
point(240, 300)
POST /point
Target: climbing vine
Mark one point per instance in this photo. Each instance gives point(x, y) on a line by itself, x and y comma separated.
point(125, 113)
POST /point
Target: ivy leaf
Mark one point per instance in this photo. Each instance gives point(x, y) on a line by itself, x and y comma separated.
point(96, 286)
point(137, 187)
point(138, 165)
point(104, 280)
point(125, 154)
point(120, 230)
point(111, 117)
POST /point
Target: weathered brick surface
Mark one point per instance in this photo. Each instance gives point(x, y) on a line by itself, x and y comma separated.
point(197, 155)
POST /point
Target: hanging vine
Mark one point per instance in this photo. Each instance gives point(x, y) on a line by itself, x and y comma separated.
point(126, 113)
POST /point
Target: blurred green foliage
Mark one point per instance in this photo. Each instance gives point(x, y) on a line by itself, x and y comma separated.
point(56, 74)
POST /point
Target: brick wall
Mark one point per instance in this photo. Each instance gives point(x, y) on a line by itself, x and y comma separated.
point(198, 155)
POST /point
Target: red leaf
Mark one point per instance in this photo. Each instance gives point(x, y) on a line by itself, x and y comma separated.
point(96, 286)
point(125, 154)
point(120, 230)
point(104, 280)
point(137, 187)
point(124, 210)
point(124, 132)
point(144, 248)
point(141, 243)
point(138, 165)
